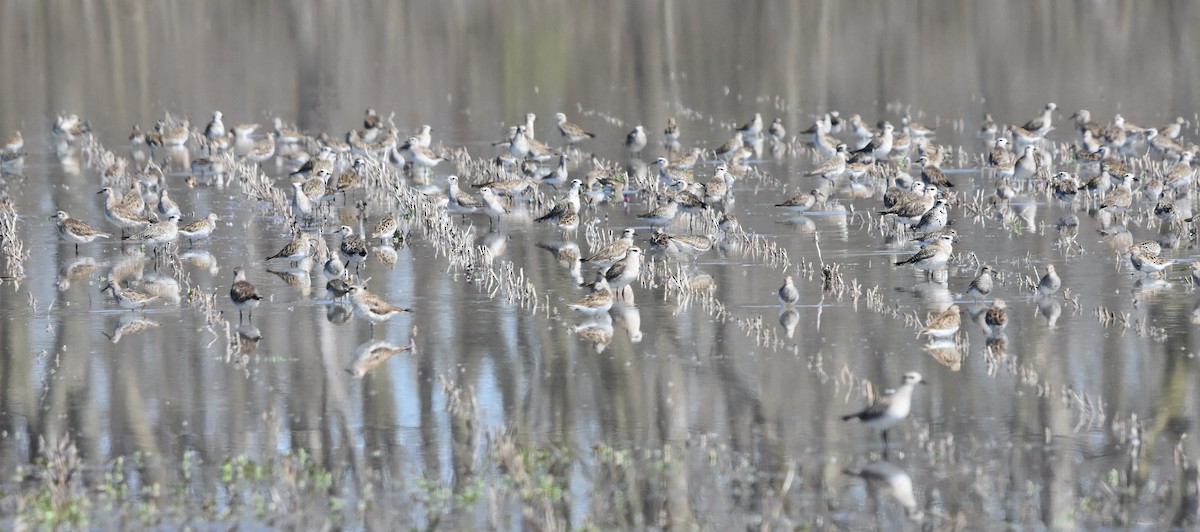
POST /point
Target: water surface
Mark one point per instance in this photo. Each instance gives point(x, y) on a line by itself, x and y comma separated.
point(1035, 434)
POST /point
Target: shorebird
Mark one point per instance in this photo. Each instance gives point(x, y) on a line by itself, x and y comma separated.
point(1173, 129)
point(571, 132)
point(1121, 197)
point(666, 173)
point(777, 131)
point(158, 233)
point(299, 248)
point(76, 231)
point(597, 302)
point(1180, 175)
point(788, 294)
point(945, 324)
point(176, 136)
point(262, 150)
point(385, 229)
point(334, 267)
point(1050, 282)
point(931, 174)
point(613, 251)
point(804, 202)
point(243, 294)
point(1041, 125)
point(373, 307)
point(568, 203)
point(285, 134)
point(915, 129)
point(492, 206)
point(1023, 137)
point(167, 206)
point(726, 150)
point(661, 215)
point(302, 204)
point(128, 297)
point(988, 128)
point(425, 135)
point(719, 186)
point(1084, 124)
point(244, 131)
point(935, 219)
point(933, 256)
point(201, 228)
point(635, 141)
point(351, 177)
point(460, 201)
point(999, 154)
point(671, 133)
point(1146, 262)
point(981, 286)
point(14, 143)
point(995, 318)
point(353, 248)
point(913, 205)
point(626, 270)
point(688, 195)
point(880, 146)
point(420, 155)
point(555, 179)
point(753, 127)
point(133, 201)
point(832, 167)
point(889, 409)
point(115, 212)
point(692, 244)
point(215, 128)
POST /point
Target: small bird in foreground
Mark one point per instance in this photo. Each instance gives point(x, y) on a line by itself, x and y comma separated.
point(128, 297)
point(76, 231)
point(981, 286)
point(890, 408)
point(373, 307)
point(243, 294)
point(996, 318)
point(788, 293)
point(933, 256)
point(1050, 282)
point(944, 324)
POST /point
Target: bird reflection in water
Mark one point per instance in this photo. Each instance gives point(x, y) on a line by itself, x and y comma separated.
point(74, 270)
point(629, 318)
point(371, 354)
point(788, 319)
point(248, 338)
point(885, 478)
point(129, 323)
point(597, 329)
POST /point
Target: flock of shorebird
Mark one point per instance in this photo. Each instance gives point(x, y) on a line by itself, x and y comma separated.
point(1100, 169)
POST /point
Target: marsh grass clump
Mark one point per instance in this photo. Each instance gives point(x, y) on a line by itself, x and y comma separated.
point(11, 245)
point(53, 494)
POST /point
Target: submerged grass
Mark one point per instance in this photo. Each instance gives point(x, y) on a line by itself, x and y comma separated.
point(519, 484)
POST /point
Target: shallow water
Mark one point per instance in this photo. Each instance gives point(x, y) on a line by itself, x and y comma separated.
point(1034, 434)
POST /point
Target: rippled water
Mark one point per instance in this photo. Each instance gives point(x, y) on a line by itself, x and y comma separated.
point(1034, 432)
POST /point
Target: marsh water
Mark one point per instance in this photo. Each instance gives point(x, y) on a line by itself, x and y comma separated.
point(729, 405)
